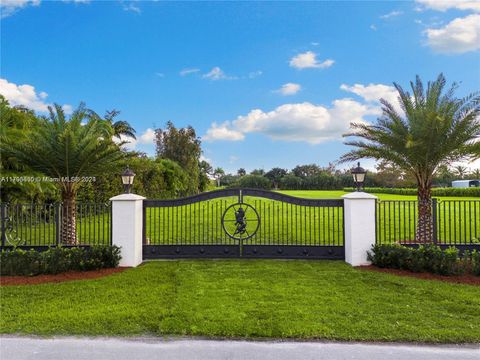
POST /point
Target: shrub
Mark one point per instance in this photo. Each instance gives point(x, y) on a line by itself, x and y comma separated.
point(465, 192)
point(425, 258)
point(253, 181)
point(475, 262)
point(56, 260)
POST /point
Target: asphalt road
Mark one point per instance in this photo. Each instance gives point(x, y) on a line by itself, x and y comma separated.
point(70, 348)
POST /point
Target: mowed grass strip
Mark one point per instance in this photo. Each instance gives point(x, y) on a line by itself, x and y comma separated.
point(248, 299)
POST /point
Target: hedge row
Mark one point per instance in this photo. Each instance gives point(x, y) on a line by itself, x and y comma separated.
point(57, 260)
point(463, 192)
point(426, 258)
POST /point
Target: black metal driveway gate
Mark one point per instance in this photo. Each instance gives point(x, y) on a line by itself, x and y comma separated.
point(247, 223)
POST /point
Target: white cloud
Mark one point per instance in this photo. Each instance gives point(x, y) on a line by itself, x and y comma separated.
point(129, 142)
point(295, 122)
point(373, 27)
point(10, 7)
point(67, 109)
point(391, 14)
point(187, 71)
point(309, 60)
point(444, 5)
point(373, 92)
point(458, 36)
point(148, 137)
point(232, 159)
point(24, 95)
point(289, 89)
point(222, 132)
point(254, 74)
point(160, 75)
point(217, 74)
point(77, 1)
point(131, 7)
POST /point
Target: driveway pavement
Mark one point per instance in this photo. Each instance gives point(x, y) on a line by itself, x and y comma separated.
point(70, 348)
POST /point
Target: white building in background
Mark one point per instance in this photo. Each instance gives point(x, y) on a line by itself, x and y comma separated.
point(465, 183)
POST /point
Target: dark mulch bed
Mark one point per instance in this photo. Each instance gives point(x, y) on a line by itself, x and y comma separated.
point(68, 276)
point(457, 279)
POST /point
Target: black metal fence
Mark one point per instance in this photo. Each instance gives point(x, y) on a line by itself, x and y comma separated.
point(455, 222)
point(275, 225)
point(40, 225)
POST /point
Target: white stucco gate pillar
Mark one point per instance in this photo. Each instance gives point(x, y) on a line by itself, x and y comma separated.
point(359, 213)
point(127, 227)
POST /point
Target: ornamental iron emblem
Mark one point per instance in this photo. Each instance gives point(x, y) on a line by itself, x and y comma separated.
point(240, 221)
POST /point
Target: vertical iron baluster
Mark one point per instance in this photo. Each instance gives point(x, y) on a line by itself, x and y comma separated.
point(176, 226)
point(455, 221)
point(97, 219)
point(278, 221)
point(470, 218)
point(477, 235)
point(464, 219)
point(434, 220)
point(446, 221)
point(218, 223)
point(164, 235)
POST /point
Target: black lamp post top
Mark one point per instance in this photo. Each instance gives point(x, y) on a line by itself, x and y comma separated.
point(128, 172)
point(358, 176)
point(358, 169)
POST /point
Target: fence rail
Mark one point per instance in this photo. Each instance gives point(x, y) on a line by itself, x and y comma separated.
point(455, 222)
point(38, 225)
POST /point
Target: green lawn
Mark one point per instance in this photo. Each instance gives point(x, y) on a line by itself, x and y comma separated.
point(337, 194)
point(248, 299)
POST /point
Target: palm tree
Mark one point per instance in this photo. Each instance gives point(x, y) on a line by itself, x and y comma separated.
point(475, 174)
point(435, 128)
point(120, 127)
point(461, 171)
point(17, 123)
point(68, 151)
point(218, 173)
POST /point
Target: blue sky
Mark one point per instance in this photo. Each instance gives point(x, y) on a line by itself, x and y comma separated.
point(264, 84)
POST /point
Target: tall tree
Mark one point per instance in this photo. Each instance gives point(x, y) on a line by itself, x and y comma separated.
point(182, 146)
point(434, 128)
point(241, 172)
point(304, 171)
point(275, 175)
point(218, 173)
point(475, 174)
point(205, 171)
point(120, 127)
point(461, 171)
point(68, 150)
point(16, 125)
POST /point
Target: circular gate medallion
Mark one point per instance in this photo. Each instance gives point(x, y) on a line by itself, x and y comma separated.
point(240, 221)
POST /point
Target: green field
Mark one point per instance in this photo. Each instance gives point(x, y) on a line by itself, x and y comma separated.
point(302, 299)
point(280, 223)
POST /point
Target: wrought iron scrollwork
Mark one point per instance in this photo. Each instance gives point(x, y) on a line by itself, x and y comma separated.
point(240, 221)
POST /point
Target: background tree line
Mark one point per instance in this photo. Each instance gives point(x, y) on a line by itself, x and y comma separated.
point(315, 177)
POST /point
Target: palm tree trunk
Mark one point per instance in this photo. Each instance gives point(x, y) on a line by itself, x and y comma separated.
point(424, 232)
point(69, 228)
